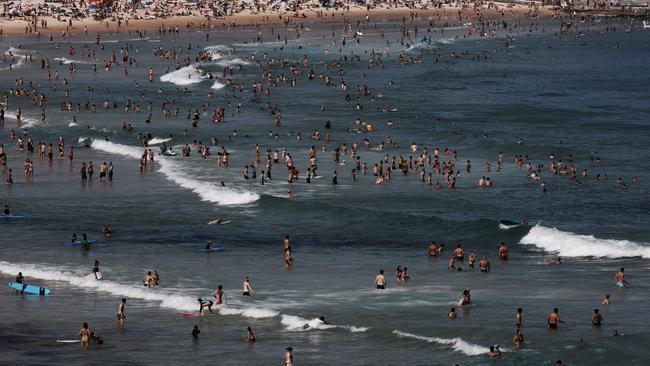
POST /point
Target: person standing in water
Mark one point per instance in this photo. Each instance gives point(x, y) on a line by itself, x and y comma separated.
point(288, 357)
point(96, 272)
point(554, 319)
point(250, 337)
point(380, 281)
point(503, 251)
point(85, 334)
point(597, 318)
point(620, 278)
point(248, 290)
point(220, 295)
point(120, 312)
point(195, 332)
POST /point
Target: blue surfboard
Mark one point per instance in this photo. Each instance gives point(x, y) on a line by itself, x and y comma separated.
point(211, 250)
point(78, 243)
point(12, 217)
point(29, 289)
point(509, 223)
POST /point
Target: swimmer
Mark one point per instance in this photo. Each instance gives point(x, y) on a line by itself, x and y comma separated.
point(220, 295)
point(484, 264)
point(433, 249)
point(85, 334)
point(554, 260)
point(459, 253)
point(195, 332)
point(96, 270)
point(518, 339)
point(597, 318)
point(452, 314)
point(7, 211)
point(248, 290)
point(554, 319)
point(605, 300)
point(620, 278)
point(503, 251)
point(288, 357)
point(250, 337)
point(120, 312)
point(494, 351)
point(518, 318)
point(106, 231)
point(208, 245)
point(380, 281)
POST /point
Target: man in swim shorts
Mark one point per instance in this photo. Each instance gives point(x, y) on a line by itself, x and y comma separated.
point(120, 312)
point(220, 295)
point(380, 281)
point(554, 319)
point(247, 286)
point(620, 278)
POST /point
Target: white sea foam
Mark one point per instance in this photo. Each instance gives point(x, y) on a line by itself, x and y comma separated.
point(458, 344)
point(217, 85)
point(208, 191)
point(42, 272)
point(217, 48)
point(568, 244)
point(158, 140)
point(72, 124)
point(255, 312)
point(296, 323)
point(67, 61)
point(25, 122)
point(232, 62)
point(187, 75)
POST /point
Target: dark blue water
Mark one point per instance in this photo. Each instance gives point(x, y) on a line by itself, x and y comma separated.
point(542, 94)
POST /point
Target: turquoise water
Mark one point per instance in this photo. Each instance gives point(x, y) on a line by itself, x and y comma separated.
point(542, 94)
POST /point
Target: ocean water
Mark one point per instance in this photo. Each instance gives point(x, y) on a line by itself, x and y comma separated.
point(540, 94)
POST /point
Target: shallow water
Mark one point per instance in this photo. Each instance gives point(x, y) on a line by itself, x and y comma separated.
point(561, 95)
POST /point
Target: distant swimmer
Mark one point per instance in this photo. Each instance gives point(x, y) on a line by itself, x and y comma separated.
point(250, 337)
point(208, 245)
point(597, 318)
point(605, 300)
point(471, 259)
point(620, 278)
point(6, 211)
point(459, 253)
point(73, 238)
point(220, 295)
point(380, 281)
point(96, 272)
point(495, 351)
point(204, 304)
point(288, 357)
point(452, 314)
point(554, 260)
point(195, 332)
point(120, 312)
point(518, 339)
point(248, 290)
point(503, 251)
point(84, 332)
point(433, 249)
point(518, 318)
point(147, 281)
point(106, 231)
point(156, 278)
point(554, 319)
point(466, 297)
point(320, 318)
point(484, 264)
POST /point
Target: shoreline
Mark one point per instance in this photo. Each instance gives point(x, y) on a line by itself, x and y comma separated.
point(310, 16)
